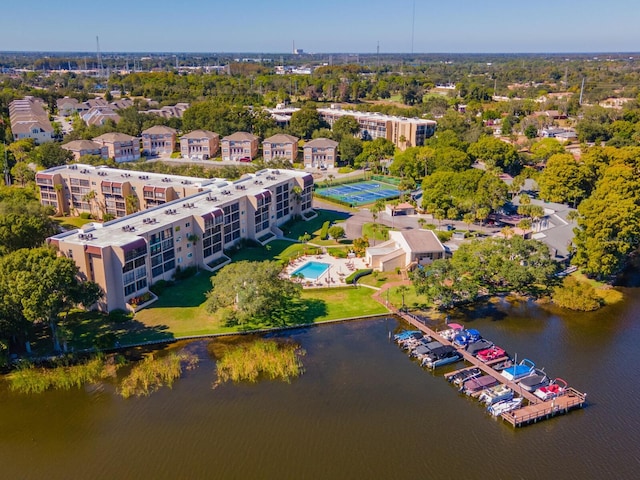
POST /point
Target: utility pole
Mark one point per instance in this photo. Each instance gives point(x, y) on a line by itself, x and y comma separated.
point(378, 55)
point(7, 177)
point(582, 90)
point(413, 24)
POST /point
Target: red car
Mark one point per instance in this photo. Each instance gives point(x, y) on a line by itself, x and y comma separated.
point(244, 159)
point(491, 354)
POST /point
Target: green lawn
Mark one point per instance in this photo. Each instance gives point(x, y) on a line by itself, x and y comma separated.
point(296, 229)
point(275, 250)
point(380, 232)
point(70, 223)
point(380, 278)
point(411, 299)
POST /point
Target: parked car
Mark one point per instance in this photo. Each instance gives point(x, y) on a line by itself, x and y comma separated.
point(244, 159)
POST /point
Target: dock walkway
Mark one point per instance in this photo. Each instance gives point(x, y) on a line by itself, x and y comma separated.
point(536, 410)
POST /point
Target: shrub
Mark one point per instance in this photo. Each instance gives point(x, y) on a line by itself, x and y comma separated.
point(576, 295)
point(336, 232)
point(119, 316)
point(160, 286)
point(182, 273)
point(444, 236)
point(324, 233)
point(337, 252)
point(85, 215)
point(355, 276)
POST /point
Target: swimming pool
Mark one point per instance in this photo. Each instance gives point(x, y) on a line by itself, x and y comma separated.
point(311, 270)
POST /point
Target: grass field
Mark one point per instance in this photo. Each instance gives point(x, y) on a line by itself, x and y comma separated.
point(297, 229)
point(70, 223)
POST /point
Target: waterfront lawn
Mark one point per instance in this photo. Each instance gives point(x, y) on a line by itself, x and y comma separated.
point(411, 298)
point(380, 278)
point(608, 294)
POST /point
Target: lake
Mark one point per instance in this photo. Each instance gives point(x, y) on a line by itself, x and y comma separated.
point(362, 409)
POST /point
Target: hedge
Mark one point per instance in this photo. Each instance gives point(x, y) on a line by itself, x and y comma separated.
point(324, 233)
point(355, 276)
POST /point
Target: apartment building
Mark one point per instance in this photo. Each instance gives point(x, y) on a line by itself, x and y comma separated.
point(403, 132)
point(199, 144)
point(67, 106)
point(128, 255)
point(280, 146)
point(75, 189)
point(320, 153)
point(239, 146)
point(98, 115)
point(158, 140)
point(29, 120)
point(120, 146)
point(80, 148)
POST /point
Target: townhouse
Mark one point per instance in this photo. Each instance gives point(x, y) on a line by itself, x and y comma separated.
point(158, 140)
point(120, 146)
point(80, 148)
point(239, 146)
point(199, 144)
point(320, 153)
point(29, 120)
point(280, 146)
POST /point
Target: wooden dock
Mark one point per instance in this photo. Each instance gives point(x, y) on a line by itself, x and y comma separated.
point(537, 408)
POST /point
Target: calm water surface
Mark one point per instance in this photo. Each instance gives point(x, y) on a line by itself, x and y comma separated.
point(362, 410)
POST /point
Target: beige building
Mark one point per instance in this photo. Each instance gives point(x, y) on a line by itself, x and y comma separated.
point(199, 144)
point(320, 153)
point(280, 146)
point(30, 120)
point(80, 148)
point(75, 189)
point(67, 106)
point(403, 132)
point(240, 146)
point(158, 140)
point(120, 146)
point(404, 249)
point(128, 255)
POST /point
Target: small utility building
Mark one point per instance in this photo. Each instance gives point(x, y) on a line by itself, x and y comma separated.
point(405, 249)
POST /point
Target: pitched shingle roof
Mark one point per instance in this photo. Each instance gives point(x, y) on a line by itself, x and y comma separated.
point(281, 138)
point(201, 134)
point(159, 129)
point(241, 136)
point(321, 143)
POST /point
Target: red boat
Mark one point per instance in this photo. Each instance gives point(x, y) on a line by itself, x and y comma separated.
point(553, 390)
point(489, 354)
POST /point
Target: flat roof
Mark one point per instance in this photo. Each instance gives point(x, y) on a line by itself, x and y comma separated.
point(128, 229)
point(79, 170)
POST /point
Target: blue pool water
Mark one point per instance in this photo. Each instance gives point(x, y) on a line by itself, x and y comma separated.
point(312, 270)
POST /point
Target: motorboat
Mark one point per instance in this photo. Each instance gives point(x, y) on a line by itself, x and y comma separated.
point(441, 356)
point(553, 390)
point(482, 344)
point(506, 363)
point(425, 348)
point(478, 384)
point(505, 406)
point(460, 377)
point(466, 337)
point(452, 331)
point(489, 354)
point(405, 334)
point(496, 394)
point(536, 379)
point(522, 369)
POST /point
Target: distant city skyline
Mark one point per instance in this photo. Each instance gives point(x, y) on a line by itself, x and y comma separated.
point(258, 26)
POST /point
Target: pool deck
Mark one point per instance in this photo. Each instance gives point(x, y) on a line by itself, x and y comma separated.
point(340, 268)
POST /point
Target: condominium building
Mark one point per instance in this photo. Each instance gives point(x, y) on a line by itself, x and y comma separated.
point(128, 255)
point(158, 140)
point(239, 146)
point(120, 146)
point(199, 144)
point(403, 132)
point(80, 148)
point(280, 146)
point(75, 189)
point(29, 120)
point(320, 153)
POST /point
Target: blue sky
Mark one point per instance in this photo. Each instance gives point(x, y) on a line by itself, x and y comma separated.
point(322, 26)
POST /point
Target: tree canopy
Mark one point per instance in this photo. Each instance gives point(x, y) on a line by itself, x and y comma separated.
point(253, 291)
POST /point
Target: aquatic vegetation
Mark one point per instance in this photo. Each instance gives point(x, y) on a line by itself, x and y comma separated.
point(268, 358)
point(154, 372)
point(32, 379)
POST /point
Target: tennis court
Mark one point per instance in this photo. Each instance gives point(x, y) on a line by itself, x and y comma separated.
point(360, 193)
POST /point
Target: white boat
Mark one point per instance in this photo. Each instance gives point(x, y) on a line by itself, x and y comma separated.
point(451, 332)
point(504, 406)
point(554, 389)
point(496, 394)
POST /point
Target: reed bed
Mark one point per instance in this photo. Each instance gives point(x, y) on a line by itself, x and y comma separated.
point(32, 379)
point(152, 373)
point(265, 358)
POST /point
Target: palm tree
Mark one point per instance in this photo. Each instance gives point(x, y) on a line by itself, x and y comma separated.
point(90, 197)
point(468, 218)
point(131, 204)
point(402, 290)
